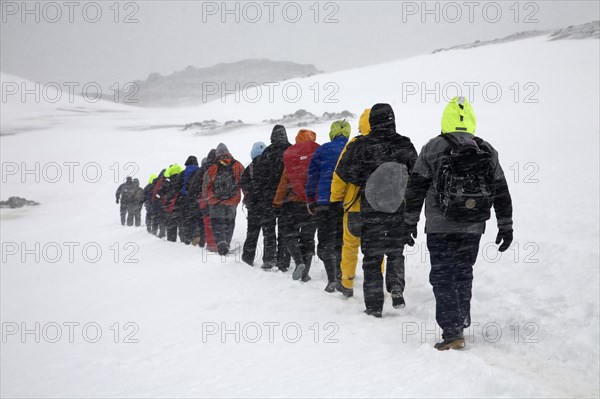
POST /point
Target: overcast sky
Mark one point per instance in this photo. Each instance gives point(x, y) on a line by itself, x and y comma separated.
point(65, 44)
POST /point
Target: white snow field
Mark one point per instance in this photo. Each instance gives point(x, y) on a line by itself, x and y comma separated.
point(69, 269)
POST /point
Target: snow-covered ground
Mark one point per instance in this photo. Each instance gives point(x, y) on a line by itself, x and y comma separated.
point(178, 308)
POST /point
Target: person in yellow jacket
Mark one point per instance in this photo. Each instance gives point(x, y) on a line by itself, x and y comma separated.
point(350, 195)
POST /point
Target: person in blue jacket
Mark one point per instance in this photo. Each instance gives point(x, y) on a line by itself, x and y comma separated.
point(318, 191)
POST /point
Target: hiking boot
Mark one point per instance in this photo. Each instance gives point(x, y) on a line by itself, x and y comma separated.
point(347, 292)
point(450, 343)
point(223, 248)
point(283, 269)
point(267, 266)
point(196, 241)
point(397, 299)
point(331, 286)
point(306, 279)
point(373, 312)
point(248, 260)
point(298, 271)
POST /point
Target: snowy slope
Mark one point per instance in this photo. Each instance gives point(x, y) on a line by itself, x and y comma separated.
point(547, 284)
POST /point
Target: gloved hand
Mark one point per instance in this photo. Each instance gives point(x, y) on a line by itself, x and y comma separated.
point(117, 200)
point(411, 234)
point(506, 237)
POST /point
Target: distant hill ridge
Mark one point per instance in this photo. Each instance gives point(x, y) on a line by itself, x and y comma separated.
point(194, 86)
point(589, 30)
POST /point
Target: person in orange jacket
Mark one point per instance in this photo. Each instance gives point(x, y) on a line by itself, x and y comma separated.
point(298, 225)
point(222, 194)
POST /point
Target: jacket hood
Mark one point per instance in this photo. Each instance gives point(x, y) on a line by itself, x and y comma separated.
point(279, 135)
point(363, 123)
point(128, 179)
point(459, 116)
point(136, 183)
point(305, 135)
point(153, 177)
point(382, 117)
point(192, 160)
point(173, 170)
point(210, 158)
point(204, 161)
point(257, 149)
point(221, 150)
point(339, 128)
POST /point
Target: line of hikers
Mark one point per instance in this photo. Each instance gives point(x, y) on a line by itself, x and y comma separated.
point(366, 192)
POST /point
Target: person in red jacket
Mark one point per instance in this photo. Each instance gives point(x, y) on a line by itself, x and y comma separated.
point(222, 193)
point(299, 225)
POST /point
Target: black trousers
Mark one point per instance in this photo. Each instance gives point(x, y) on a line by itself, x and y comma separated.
point(191, 223)
point(171, 225)
point(452, 258)
point(283, 255)
point(260, 220)
point(330, 234)
point(222, 229)
point(149, 219)
point(379, 239)
point(159, 225)
point(134, 215)
point(299, 229)
point(123, 210)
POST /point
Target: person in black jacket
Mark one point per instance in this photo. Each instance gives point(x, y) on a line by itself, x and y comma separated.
point(194, 189)
point(150, 216)
point(169, 195)
point(122, 195)
point(453, 240)
point(379, 163)
point(268, 171)
point(256, 219)
point(156, 206)
point(189, 216)
point(135, 206)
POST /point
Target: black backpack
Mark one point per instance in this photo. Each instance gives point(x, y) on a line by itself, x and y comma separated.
point(464, 185)
point(225, 185)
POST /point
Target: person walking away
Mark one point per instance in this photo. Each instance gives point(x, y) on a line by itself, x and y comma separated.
point(150, 216)
point(211, 245)
point(134, 213)
point(169, 198)
point(159, 227)
point(121, 194)
point(380, 164)
point(256, 215)
point(459, 178)
point(223, 194)
point(329, 215)
point(188, 214)
point(197, 232)
point(267, 172)
point(298, 224)
point(349, 194)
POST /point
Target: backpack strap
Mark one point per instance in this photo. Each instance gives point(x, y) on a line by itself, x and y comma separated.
point(453, 141)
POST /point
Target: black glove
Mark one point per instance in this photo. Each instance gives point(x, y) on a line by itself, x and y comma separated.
point(117, 200)
point(411, 234)
point(506, 237)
